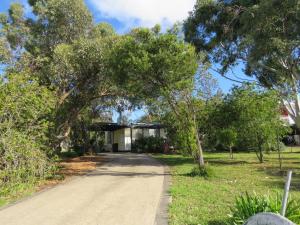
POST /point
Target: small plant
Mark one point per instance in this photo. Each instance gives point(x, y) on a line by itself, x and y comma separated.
point(205, 172)
point(248, 205)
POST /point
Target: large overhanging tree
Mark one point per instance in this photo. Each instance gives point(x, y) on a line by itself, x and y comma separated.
point(65, 50)
point(264, 36)
point(159, 67)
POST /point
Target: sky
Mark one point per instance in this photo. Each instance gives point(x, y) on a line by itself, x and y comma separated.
point(124, 15)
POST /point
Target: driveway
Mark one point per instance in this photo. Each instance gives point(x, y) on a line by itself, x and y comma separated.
point(129, 189)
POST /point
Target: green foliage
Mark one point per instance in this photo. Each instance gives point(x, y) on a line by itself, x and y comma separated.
point(148, 144)
point(69, 154)
point(25, 123)
point(13, 34)
point(206, 172)
point(248, 205)
point(152, 65)
point(102, 30)
point(262, 36)
point(249, 119)
point(55, 46)
point(159, 69)
point(228, 137)
point(57, 22)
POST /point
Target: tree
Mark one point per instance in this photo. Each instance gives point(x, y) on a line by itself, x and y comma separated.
point(228, 137)
point(160, 67)
point(256, 115)
point(66, 52)
point(262, 35)
point(57, 22)
point(79, 83)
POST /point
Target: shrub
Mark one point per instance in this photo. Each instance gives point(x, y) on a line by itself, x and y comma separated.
point(248, 205)
point(79, 150)
point(148, 144)
point(205, 172)
point(69, 154)
point(21, 161)
point(25, 124)
point(274, 146)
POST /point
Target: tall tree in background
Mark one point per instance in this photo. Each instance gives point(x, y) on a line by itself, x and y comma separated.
point(262, 35)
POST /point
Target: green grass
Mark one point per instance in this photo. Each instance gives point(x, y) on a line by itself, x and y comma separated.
point(197, 200)
point(2, 202)
point(16, 192)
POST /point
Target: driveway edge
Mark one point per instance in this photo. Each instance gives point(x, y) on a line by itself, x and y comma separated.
point(36, 193)
point(161, 217)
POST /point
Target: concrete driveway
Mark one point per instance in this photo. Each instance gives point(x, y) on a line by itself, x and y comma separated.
point(129, 189)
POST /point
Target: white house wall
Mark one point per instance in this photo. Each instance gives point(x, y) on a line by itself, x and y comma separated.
point(162, 133)
point(119, 139)
point(151, 132)
point(127, 140)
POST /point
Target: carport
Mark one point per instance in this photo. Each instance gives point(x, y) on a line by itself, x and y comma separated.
point(119, 137)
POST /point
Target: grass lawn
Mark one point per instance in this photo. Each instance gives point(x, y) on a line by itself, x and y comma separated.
point(196, 200)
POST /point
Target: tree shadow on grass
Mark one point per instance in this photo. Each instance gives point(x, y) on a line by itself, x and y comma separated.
point(177, 161)
point(280, 176)
point(229, 162)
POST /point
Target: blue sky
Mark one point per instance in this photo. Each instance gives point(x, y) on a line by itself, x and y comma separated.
point(126, 14)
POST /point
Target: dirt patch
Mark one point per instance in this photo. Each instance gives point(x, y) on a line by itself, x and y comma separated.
point(72, 167)
point(79, 165)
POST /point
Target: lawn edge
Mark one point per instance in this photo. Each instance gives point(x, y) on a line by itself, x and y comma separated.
point(162, 212)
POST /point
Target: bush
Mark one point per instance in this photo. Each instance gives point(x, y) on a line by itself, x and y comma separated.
point(148, 144)
point(270, 147)
point(21, 162)
point(79, 150)
point(205, 172)
point(249, 205)
point(25, 124)
point(69, 154)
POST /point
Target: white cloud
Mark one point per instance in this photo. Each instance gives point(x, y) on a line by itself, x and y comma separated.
point(144, 12)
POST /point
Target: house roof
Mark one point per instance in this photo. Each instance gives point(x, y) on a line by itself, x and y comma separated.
point(147, 125)
point(104, 126)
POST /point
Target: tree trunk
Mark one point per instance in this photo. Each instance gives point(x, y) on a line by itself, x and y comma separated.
point(86, 145)
point(260, 156)
point(64, 129)
point(293, 108)
point(199, 150)
point(279, 153)
point(230, 151)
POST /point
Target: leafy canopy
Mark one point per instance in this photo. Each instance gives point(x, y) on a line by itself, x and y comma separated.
point(265, 35)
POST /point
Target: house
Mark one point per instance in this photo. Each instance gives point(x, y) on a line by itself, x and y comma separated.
point(285, 117)
point(120, 137)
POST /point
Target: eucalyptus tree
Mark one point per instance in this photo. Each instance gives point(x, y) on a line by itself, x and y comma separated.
point(264, 36)
point(64, 49)
point(160, 67)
